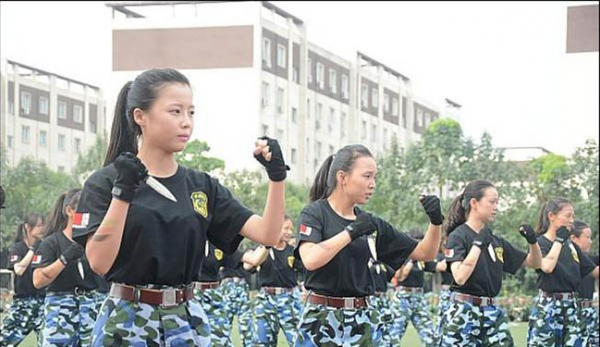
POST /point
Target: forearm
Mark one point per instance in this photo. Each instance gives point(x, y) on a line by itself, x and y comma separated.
point(257, 257)
point(316, 255)
point(534, 258)
point(21, 266)
point(103, 246)
point(46, 275)
point(463, 271)
point(551, 259)
point(405, 271)
point(266, 229)
point(428, 247)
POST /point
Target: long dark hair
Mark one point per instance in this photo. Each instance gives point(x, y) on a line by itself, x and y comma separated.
point(58, 219)
point(344, 159)
point(578, 227)
point(31, 219)
point(554, 206)
point(461, 207)
point(140, 93)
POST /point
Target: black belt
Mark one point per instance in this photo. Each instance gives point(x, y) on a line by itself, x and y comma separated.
point(74, 291)
point(559, 296)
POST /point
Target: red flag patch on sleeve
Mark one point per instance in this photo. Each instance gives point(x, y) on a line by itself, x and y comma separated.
point(449, 253)
point(81, 220)
point(305, 230)
point(14, 258)
point(37, 259)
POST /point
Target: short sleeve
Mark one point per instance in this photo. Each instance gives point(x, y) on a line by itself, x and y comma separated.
point(46, 254)
point(586, 264)
point(430, 266)
point(93, 204)
point(456, 248)
point(310, 227)
point(15, 255)
point(393, 247)
point(513, 257)
point(232, 260)
point(229, 217)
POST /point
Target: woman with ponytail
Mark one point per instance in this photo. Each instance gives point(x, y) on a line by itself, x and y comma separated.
point(152, 248)
point(337, 240)
point(555, 319)
point(60, 266)
point(477, 259)
point(26, 311)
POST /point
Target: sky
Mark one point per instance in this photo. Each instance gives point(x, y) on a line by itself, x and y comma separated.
point(504, 62)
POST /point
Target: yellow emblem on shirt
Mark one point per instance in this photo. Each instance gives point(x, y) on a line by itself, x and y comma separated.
point(499, 253)
point(290, 261)
point(218, 254)
point(200, 203)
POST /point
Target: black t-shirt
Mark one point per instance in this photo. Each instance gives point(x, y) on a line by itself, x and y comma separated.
point(572, 266)
point(588, 283)
point(486, 278)
point(70, 277)
point(103, 284)
point(233, 266)
point(279, 269)
point(415, 278)
point(163, 241)
point(214, 258)
point(446, 275)
point(347, 273)
point(382, 274)
point(24, 283)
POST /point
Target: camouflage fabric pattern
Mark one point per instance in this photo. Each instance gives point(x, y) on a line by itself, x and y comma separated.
point(23, 316)
point(238, 303)
point(411, 307)
point(69, 319)
point(467, 325)
point(274, 312)
point(215, 308)
point(443, 307)
point(125, 323)
point(382, 305)
point(590, 328)
point(554, 323)
point(100, 297)
point(325, 326)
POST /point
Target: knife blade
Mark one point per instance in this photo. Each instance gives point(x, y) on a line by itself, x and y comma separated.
point(160, 188)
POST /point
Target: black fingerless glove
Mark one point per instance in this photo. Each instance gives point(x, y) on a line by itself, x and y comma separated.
point(362, 225)
point(74, 252)
point(130, 172)
point(562, 235)
point(276, 167)
point(528, 233)
point(431, 204)
point(484, 238)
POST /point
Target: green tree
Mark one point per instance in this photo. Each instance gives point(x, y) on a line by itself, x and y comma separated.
point(193, 157)
point(92, 160)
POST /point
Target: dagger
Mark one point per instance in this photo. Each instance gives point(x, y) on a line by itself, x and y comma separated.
point(159, 188)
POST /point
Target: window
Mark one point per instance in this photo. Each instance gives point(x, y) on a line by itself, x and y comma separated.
point(309, 67)
point(62, 110)
point(280, 96)
point(92, 127)
point(364, 96)
point(11, 107)
point(293, 155)
point(364, 130)
point(395, 107)
point(43, 105)
point(374, 97)
point(61, 142)
point(419, 117)
point(9, 141)
point(25, 133)
point(343, 124)
point(332, 81)
point(386, 102)
point(345, 88)
point(265, 95)
point(294, 115)
point(331, 123)
point(281, 61)
point(427, 119)
point(307, 108)
point(43, 140)
point(385, 142)
point(307, 148)
point(321, 75)
point(373, 132)
point(318, 116)
point(25, 102)
point(266, 52)
point(318, 150)
point(78, 114)
point(77, 145)
point(295, 74)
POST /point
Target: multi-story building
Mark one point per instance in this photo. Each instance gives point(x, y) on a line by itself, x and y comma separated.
point(254, 72)
point(48, 117)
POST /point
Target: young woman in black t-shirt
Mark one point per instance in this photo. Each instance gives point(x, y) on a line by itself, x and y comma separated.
point(477, 259)
point(26, 311)
point(554, 320)
point(336, 240)
point(151, 248)
point(61, 267)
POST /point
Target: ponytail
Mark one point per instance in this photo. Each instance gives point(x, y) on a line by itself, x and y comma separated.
point(59, 219)
point(319, 189)
point(32, 219)
point(122, 132)
point(456, 215)
point(461, 205)
point(554, 206)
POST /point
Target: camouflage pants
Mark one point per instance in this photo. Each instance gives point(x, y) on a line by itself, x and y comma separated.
point(411, 307)
point(215, 307)
point(100, 297)
point(589, 322)
point(466, 325)
point(443, 307)
point(69, 319)
point(382, 305)
point(23, 316)
point(554, 323)
point(274, 312)
point(125, 323)
point(325, 326)
point(238, 303)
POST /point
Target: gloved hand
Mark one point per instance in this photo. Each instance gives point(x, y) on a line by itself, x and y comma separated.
point(35, 245)
point(484, 238)
point(562, 235)
point(362, 225)
point(528, 233)
point(276, 167)
point(431, 204)
point(74, 252)
point(130, 171)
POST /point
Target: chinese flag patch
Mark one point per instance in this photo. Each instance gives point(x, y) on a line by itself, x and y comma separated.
point(305, 230)
point(14, 258)
point(36, 259)
point(81, 220)
point(449, 253)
